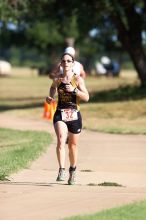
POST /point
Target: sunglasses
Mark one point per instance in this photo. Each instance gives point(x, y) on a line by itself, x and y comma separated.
point(66, 61)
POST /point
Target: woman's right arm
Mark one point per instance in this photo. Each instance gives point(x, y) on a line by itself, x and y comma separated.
point(53, 89)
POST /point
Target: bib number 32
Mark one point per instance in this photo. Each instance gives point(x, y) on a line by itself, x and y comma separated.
point(69, 114)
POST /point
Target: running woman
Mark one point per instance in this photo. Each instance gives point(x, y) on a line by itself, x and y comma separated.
point(67, 120)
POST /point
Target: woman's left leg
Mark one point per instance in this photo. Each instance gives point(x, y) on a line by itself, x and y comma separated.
point(72, 147)
point(73, 154)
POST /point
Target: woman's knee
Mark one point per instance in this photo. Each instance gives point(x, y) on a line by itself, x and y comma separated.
point(72, 146)
point(60, 147)
point(61, 140)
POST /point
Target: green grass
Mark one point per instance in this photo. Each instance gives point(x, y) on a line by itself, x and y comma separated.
point(135, 211)
point(105, 184)
point(19, 148)
point(109, 184)
point(116, 105)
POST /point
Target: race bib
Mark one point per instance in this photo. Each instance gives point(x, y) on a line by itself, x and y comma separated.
point(69, 114)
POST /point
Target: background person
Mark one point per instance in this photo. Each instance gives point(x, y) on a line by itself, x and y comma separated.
point(77, 68)
point(67, 118)
point(108, 67)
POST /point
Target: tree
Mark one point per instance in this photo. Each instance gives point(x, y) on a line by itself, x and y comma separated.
point(127, 18)
point(129, 28)
point(76, 18)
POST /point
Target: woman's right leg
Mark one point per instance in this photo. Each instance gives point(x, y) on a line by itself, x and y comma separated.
point(61, 133)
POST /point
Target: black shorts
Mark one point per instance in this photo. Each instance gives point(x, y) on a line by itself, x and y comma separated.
point(74, 126)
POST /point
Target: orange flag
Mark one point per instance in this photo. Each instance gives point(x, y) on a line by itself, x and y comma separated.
point(49, 110)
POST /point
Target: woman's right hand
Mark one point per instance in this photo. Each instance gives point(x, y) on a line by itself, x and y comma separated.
point(49, 99)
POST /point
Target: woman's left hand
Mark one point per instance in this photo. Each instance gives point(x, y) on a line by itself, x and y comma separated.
point(69, 87)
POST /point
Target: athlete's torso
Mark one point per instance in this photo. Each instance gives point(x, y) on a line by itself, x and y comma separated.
point(67, 99)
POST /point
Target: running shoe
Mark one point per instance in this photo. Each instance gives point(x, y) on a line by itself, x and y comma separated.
point(72, 177)
point(61, 175)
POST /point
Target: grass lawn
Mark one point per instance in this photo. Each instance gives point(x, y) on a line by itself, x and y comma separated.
point(116, 105)
point(135, 211)
point(19, 148)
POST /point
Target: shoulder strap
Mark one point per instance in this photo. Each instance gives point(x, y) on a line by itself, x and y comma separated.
point(74, 80)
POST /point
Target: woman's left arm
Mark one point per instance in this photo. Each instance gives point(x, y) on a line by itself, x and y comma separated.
point(81, 90)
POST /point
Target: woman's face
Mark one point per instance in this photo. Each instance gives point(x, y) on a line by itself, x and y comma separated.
point(67, 62)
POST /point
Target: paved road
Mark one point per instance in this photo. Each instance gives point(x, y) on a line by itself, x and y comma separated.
point(33, 193)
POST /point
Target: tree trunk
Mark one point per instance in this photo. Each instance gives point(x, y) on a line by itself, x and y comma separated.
point(139, 60)
point(131, 41)
point(136, 52)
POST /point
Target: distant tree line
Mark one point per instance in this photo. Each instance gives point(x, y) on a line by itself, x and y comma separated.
point(49, 25)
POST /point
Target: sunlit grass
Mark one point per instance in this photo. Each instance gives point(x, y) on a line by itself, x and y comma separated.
point(117, 117)
point(135, 211)
point(19, 148)
point(116, 105)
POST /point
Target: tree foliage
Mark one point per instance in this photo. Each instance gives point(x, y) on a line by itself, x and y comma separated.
point(49, 22)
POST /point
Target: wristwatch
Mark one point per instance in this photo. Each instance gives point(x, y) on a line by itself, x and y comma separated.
point(75, 91)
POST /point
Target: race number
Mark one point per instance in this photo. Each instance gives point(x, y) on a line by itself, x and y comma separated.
point(69, 114)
